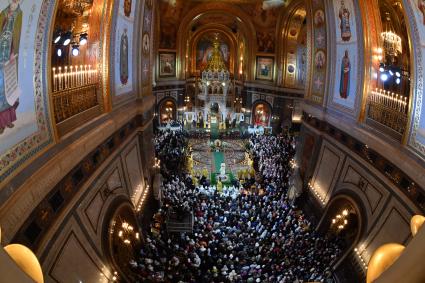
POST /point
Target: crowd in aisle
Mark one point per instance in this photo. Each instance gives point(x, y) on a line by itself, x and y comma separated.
point(251, 233)
point(171, 147)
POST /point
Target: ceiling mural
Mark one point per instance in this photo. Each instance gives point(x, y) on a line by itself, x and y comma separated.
point(264, 15)
point(171, 14)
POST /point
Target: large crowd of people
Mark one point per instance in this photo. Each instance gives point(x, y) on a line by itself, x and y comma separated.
point(170, 147)
point(251, 234)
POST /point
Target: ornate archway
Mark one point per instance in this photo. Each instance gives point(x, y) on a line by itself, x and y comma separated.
point(343, 219)
point(292, 46)
point(121, 238)
point(186, 31)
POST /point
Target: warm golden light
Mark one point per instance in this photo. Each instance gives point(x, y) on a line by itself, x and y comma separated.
point(416, 223)
point(382, 259)
point(26, 260)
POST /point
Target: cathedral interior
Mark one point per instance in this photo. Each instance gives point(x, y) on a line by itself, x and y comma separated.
point(212, 141)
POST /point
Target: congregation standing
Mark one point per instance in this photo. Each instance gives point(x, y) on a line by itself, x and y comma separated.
point(252, 234)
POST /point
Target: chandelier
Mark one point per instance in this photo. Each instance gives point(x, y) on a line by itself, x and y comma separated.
point(127, 233)
point(340, 220)
point(77, 8)
point(391, 41)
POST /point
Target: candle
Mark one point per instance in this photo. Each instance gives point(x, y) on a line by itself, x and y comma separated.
point(54, 78)
point(395, 101)
point(71, 75)
point(90, 75)
point(65, 77)
point(388, 98)
point(392, 100)
point(405, 104)
point(81, 75)
point(60, 78)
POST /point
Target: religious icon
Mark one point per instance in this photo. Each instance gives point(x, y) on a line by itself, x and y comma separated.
point(319, 59)
point(124, 58)
point(167, 64)
point(261, 115)
point(264, 68)
point(145, 43)
point(344, 16)
point(319, 18)
point(10, 34)
point(344, 84)
point(421, 6)
point(127, 8)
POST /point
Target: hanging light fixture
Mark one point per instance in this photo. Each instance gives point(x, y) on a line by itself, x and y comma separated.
point(59, 52)
point(57, 37)
point(75, 50)
point(67, 38)
point(83, 39)
point(384, 77)
point(340, 220)
point(391, 41)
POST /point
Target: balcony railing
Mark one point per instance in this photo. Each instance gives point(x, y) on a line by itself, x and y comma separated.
point(70, 102)
point(74, 90)
point(388, 109)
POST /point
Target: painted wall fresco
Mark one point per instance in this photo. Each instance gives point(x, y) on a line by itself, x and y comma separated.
point(204, 50)
point(24, 122)
point(319, 54)
point(416, 14)
point(146, 47)
point(265, 21)
point(123, 46)
point(296, 51)
point(347, 54)
point(171, 15)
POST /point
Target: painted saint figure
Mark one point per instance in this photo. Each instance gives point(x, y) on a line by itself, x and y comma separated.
point(301, 63)
point(124, 58)
point(344, 84)
point(320, 59)
point(10, 33)
point(127, 8)
point(344, 16)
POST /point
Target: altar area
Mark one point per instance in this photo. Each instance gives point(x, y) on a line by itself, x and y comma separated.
point(208, 157)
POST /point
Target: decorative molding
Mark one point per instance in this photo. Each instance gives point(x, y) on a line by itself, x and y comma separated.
point(70, 236)
point(416, 104)
point(394, 174)
point(49, 209)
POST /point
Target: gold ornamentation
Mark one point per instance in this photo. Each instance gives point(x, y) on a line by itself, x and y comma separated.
point(216, 62)
point(382, 259)
point(71, 102)
point(416, 223)
point(389, 109)
point(26, 260)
